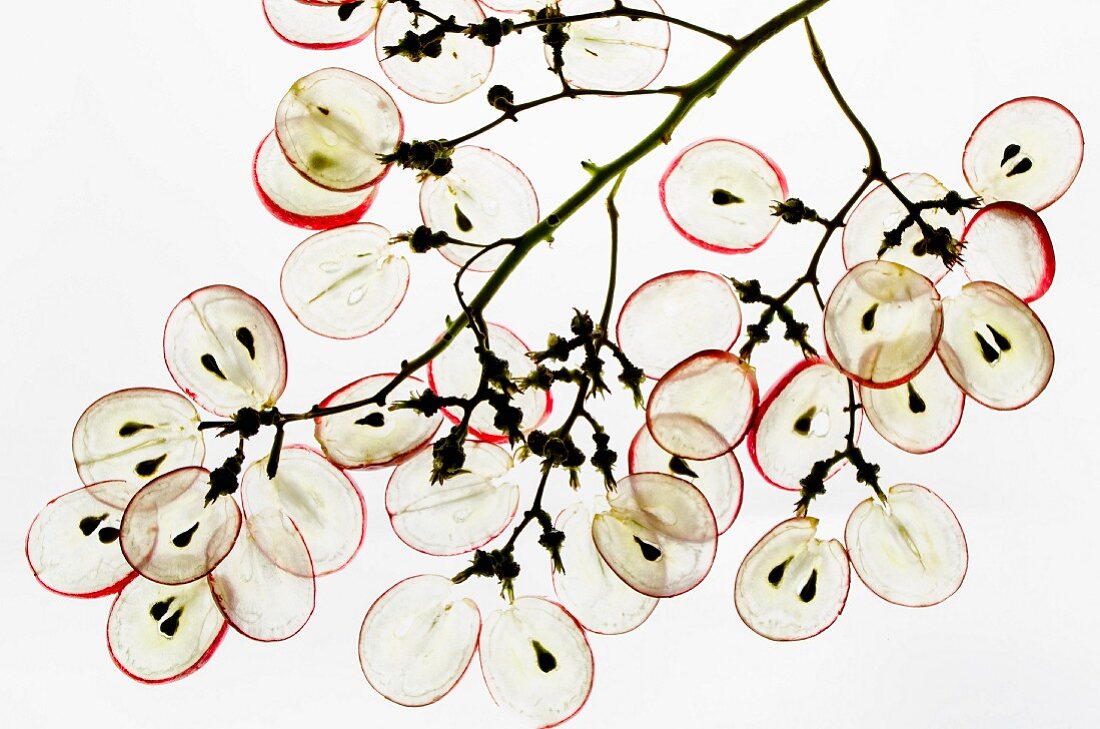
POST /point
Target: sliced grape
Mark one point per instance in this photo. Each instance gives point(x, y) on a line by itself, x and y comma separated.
point(718, 194)
point(136, 434)
point(417, 640)
point(1007, 243)
point(994, 346)
point(333, 124)
point(702, 407)
point(1027, 150)
point(349, 444)
point(159, 633)
point(911, 553)
point(324, 504)
point(320, 26)
point(882, 323)
point(170, 535)
point(792, 585)
point(614, 54)
point(919, 416)
point(225, 350)
point(536, 661)
point(345, 282)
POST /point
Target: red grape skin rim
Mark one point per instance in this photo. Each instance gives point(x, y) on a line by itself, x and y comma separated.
point(701, 243)
point(318, 46)
point(1045, 243)
point(941, 444)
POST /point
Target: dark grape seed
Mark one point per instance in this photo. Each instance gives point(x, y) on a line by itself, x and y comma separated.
point(1010, 151)
point(211, 365)
point(680, 467)
point(89, 523)
point(347, 9)
point(999, 339)
point(809, 590)
point(160, 609)
point(462, 221)
point(182, 539)
point(1020, 167)
point(989, 352)
point(244, 336)
point(544, 658)
point(172, 624)
point(149, 467)
point(131, 427)
point(868, 321)
point(802, 425)
point(724, 197)
point(776, 575)
point(108, 535)
point(651, 553)
point(916, 403)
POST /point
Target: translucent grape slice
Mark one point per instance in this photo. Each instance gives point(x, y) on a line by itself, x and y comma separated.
point(919, 416)
point(792, 585)
point(882, 323)
point(879, 211)
point(457, 371)
point(462, 65)
point(1027, 150)
point(72, 545)
point(659, 536)
point(615, 54)
point(1007, 243)
point(333, 124)
point(319, 26)
point(324, 504)
point(914, 554)
point(136, 434)
point(702, 407)
point(718, 194)
point(159, 633)
point(345, 282)
point(417, 640)
point(589, 589)
point(994, 346)
point(675, 315)
point(536, 661)
point(719, 479)
point(168, 533)
point(350, 445)
point(224, 349)
point(482, 199)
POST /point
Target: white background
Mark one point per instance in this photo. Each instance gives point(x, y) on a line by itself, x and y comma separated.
point(125, 142)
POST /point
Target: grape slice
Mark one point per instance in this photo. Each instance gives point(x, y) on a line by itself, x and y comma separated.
point(879, 211)
point(792, 585)
point(702, 407)
point(1027, 150)
point(319, 26)
point(882, 323)
point(72, 545)
point(169, 534)
point(160, 633)
point(417, 640)
point(333, 124)
point(224, 349)
point(345, 282)
point(675, 315)
point(919, 416)
point(483, 199)
point(351, 445)
point(719, 479)
point(613, 54)
point(462, 65)
point(1007, 243)
point(659, 536)
point(718, 194)
point(462, 513)
point(589, 589)
point(324, 504)
point(136, 434)
point(913, 553)
point(994, 347)
point(802, 420)
point(536, 661)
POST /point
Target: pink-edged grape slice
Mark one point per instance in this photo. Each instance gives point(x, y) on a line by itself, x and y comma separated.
point(882, 323)
point(320, 26)
point(675, 315)
point(536, 661)
point(418, 639)
point(702, 407)
point(170, 535)
point(349, 444)
point(718, 194)
point(919, 416)
point(72, 545)
point(345, 282)
point(1027, 150)
point(792, 585)
point(911, 553)
point(589, 589)
point(323, 502)
point(994, 346)
point(482, 199)
point(612, 54)
point(224, 349)
point(160, 633)
point(1007, 243)
point(136, 434)
point(333, 124)
point(462, 513)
